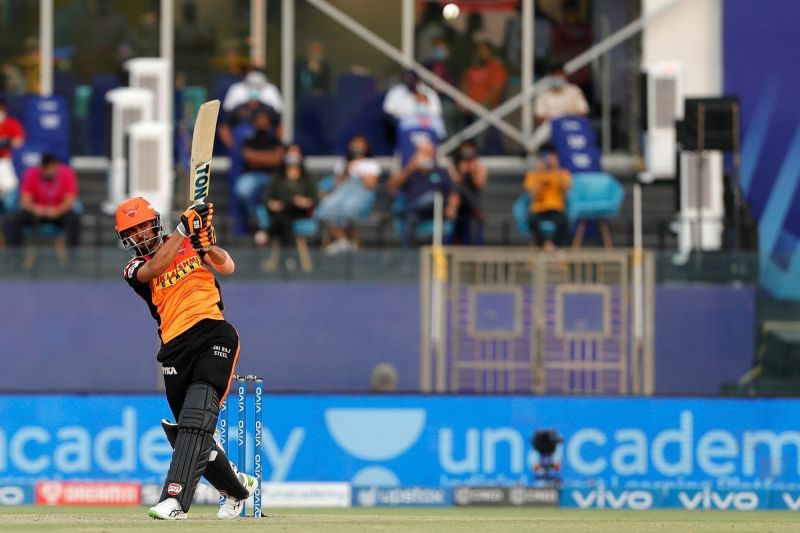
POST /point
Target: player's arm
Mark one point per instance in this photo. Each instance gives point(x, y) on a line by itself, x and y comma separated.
point(217, 258)
point(195, 219)
point(164, 256)
point(205, 243)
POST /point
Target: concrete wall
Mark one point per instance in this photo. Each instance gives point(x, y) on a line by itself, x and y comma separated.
point(691, 34)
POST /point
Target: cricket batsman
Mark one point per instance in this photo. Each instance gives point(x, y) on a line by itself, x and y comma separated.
point(199, 349)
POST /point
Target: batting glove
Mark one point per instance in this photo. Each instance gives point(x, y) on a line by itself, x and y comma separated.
point(204, 239)
point(196, 217)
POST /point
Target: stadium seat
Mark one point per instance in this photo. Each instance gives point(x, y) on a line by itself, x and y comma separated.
point(521, 211)
point(423, 229)
point(594, 196)
point(47, 123)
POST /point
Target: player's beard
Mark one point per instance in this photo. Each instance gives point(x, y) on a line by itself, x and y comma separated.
point(145, 246)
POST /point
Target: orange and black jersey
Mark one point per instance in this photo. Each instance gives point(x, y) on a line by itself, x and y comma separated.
point(182, 296)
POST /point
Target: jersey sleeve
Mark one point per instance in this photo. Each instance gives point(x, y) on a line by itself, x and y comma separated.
point(129, 273)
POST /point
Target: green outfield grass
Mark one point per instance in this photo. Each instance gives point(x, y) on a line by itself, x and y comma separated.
point(406, 519)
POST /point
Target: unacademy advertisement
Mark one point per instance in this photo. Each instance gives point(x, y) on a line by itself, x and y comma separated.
point(387, 441)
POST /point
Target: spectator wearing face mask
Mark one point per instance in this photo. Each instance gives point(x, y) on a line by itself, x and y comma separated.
point(312, 73)
point(12, 136)
point(440, 63)
point(470, 177)
point(244, 99)
point(417, 111)
point(485, 82)
point(417, 183)
point(255, 86)
point(356, 179)
point(560, 99)
point(548, 186)
point(262, 153)
point(47, 196)
point(290, 197)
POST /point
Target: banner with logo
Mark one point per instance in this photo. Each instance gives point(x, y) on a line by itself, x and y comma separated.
point(426, 441)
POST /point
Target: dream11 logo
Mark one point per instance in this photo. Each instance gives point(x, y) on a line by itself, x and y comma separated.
point(375, 435)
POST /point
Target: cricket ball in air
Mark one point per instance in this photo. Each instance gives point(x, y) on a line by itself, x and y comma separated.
point(450, 11)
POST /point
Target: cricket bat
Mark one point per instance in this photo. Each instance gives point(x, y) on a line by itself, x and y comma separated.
point(205, 128)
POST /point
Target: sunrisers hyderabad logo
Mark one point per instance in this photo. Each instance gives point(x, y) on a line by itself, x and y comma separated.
point(131, 211)
point(171, 277)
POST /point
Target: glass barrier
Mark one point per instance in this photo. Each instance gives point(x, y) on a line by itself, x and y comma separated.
point(19, 50)
point(390, 264)
point(340, 80)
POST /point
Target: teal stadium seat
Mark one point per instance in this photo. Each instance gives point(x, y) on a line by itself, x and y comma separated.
point(521, 210)
point(594, 196)
point(422, 229)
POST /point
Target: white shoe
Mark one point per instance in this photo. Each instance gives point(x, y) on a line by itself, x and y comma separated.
point(232, 507)
point(169, 509)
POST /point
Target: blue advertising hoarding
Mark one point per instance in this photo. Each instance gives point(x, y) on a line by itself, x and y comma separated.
point(436, 441)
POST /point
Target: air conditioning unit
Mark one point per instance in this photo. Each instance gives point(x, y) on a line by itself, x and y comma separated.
point(152, 73)
point(128, 106)
point(664, 92)
point(149, 164)
point(702, 207)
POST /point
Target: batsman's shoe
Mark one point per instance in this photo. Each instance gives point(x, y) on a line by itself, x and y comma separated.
point(169, 509)
point(233, 507)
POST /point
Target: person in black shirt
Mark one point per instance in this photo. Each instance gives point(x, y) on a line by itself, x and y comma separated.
point(469, 176)
point(261, 154)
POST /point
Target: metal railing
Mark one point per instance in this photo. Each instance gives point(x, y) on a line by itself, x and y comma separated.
point(516, 320)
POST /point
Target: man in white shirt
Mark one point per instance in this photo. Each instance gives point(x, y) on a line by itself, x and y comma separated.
point(255, 86)
point(412, 97)
point(417, 111)
point(561, 99)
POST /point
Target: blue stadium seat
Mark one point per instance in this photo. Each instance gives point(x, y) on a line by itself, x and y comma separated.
point(594, 196)
point(521, 211)
point(47, 122)
point(576, 144)
point(26, 156)
point(422, 229)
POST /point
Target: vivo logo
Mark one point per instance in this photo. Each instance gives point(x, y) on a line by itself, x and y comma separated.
point(638, 500)
point(793, 504)
point(711, 499)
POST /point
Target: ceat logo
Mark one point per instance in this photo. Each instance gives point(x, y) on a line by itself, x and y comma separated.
point(174, 489)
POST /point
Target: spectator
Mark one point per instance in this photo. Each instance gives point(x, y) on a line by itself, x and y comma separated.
point(439, 63)
point(312, 73)
point(412, 97)
point(548, 186)
point(12, 136)
point(470, 177)
point(561, 99)
point(383, 378)
point(255, 86)
point(356, 179)
point(464, 42)
point(438, 60)
point(429, 27)
point(246, 114)
point(418, 113)
point(262, 154)
point(290, 197)
point(47, 195)
point(485, 82)
point(417, 184)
